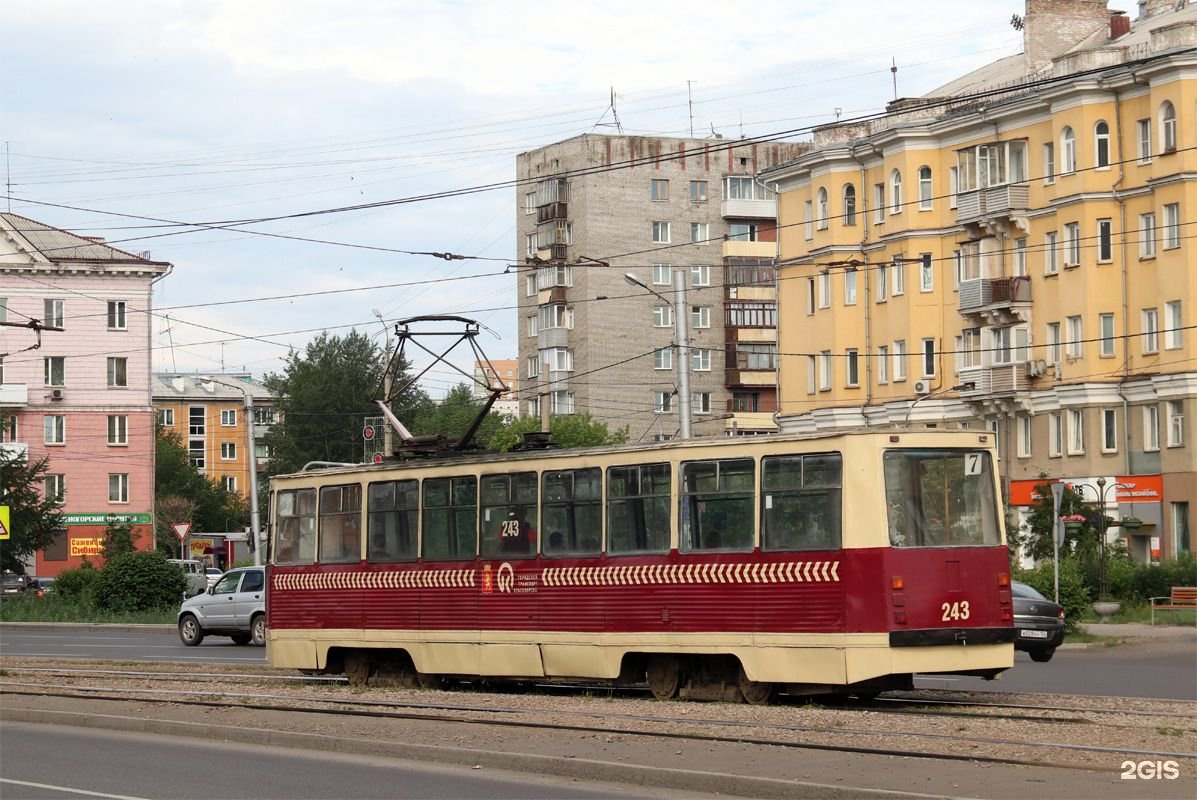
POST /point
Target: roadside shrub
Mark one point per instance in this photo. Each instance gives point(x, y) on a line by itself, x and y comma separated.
point(140, 581)
point(77, 585)
point(1074, 596)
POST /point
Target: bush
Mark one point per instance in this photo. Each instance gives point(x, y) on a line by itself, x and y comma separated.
point(140, 581)
point(77, 585)
point(1074, 596)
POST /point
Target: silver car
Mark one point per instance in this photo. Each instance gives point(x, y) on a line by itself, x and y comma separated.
point(235, 607)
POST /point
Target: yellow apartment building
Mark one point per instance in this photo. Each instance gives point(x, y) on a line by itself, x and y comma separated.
point(1015, 252)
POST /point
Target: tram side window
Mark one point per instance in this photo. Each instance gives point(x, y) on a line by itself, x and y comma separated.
point(450, 518)
point(341, 523)
point(717, 505)
point(573, 512)
point(509, 515)
point(296, 520)
point(800, 503)
point(391, 519)
point(940, 498)
point(638, 509)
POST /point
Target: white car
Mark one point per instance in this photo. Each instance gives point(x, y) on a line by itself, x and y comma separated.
point(235, 607)
point(213, 574)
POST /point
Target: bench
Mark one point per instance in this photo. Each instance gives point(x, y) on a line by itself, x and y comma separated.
point(1183, 598)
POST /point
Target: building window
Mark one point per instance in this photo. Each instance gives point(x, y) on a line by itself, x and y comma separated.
point(811, 371)
point(530, 245)
point(1067, 151)
point(953, 185)
point(925, 197)
point(852, 368)
point(662, 275)
point(744, 231)
point(849, 204)
point(1109, 430)
point(530, 285)
point(1105, 326)
point(1049, 163)
point(1143, 127)
point(54, 429)
point(825, 371)
point(1101, 144)
point(1020, 256)
point(662, 402)
point(118, 487)
point(1055, 435)
point(118, 372)
point(533, 325)
point(1151, 327)
point(529, 202)
point(850, 288)
point(561, 402)
point(663, 358)
point(54, 370)
point(879, 203)
point(1171, 226)
point(53, 314)
point(1051, 254)
point(928, 358)
point(1053, 343)
point(118, 429)
point(1105, 240)
point(230, 483)
point(661, 232)
point(54, 487)
point(662, 316)
point(745, 187)
point(825, 290)
point(228, 417)
point(700, 402)
point(533, 366)
point(1181, 543)
point(1074, 346)
point(1176, 423)
point(1168, 127)
point(116, 315)
point(699, 233)
point(821, 212)
point(700, 275)
point(166, 417)
point(926, 274)
point(228, 451)
point(900, 360)
point(1072, 244)
point(899, 270)
point(1024, 435)
point(808, 220)
point(698, 191)
point(555, 316)
point(1173, 335)
point(883, 364)
point(700, 360)
point(1147, 236)
point(1151, 428)
point(660, 190)
point(700, 316)
point(810, 296)
point(895, 192)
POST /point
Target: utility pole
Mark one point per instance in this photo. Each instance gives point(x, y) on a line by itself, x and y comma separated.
point(681, 328)
point(388, 446)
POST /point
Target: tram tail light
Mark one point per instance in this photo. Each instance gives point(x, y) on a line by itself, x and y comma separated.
point(1003, 579)
point(896, 583)
point(1007, 615)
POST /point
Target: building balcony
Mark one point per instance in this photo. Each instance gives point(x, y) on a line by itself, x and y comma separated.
point(15, 450)
point(551, 252)
point(14, 395)
point(749, 209)
point(744, 421)
point(996, 301)
point(551, 212)
point(738, 248)
point(750, 377)
point(996, 381)
point(993, 205)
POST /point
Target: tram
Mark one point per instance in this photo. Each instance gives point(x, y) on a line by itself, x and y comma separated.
point(726, 568)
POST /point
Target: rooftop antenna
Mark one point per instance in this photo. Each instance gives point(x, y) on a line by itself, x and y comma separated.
point(171, 338)
point(614, 114)
point(8, 175)
point(690, 105)
point(894, 71)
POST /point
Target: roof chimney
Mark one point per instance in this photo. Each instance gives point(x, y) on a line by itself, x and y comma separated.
point(1053, 27)
point(1119, 24)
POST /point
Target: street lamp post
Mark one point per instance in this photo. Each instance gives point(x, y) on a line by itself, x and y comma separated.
point(681, 331)
point(387, 377)
point(1102, 487)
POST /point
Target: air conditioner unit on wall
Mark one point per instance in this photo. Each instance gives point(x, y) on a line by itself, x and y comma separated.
point(922, 387)
point(1036, 369)
point(56, 394)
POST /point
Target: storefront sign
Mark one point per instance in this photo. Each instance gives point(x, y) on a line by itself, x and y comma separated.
point(1132, 489)
point(197, 547)
point(87, 546)
point(102, 518)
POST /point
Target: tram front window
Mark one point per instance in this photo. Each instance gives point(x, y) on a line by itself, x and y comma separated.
point(940, 498)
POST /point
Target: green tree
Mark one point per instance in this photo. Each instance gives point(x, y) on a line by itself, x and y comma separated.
point(1041, 524)
point(118, 539)
point(568, 430)
point(182, 494)
point(454, 415)
point(138, 581)
point(34, 520)
point(324, 395)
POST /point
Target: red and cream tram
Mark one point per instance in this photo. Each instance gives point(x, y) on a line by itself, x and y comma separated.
point(721, 568)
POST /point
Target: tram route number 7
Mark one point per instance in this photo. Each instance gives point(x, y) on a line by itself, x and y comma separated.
point(974, 463)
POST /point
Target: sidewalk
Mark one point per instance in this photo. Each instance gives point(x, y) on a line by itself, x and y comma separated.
point(1141, 630)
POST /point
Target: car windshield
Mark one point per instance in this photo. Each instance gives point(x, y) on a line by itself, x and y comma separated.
point(1022, 590)
point(13, 580)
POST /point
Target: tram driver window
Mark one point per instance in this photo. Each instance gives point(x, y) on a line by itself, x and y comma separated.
point(509, 516)
point(341, 523)
point(638, 509)
point(940, 498)
point(800, 503)
point(573, 512)
point(295, 540)
point(450, 518)
point(391, 516)
point(717, 505)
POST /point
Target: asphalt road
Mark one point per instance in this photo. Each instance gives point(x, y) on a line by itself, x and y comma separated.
point(52, 761)
point(1160, 668)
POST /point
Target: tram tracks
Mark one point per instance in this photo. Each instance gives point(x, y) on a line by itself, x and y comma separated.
point(1075, 736)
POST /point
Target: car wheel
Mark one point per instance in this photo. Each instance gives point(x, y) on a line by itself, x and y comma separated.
point(257, 630)
point(240, 638)
point(190, 631)
point(1042, 654)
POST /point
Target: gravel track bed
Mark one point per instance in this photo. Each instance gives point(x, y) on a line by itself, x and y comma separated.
point(978, 733)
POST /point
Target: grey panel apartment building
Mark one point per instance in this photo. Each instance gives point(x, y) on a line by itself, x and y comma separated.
point(596, 207)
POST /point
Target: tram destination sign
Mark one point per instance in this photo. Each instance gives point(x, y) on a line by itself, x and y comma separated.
point(106, 519)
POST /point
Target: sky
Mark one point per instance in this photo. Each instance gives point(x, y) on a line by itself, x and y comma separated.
point(237, 139)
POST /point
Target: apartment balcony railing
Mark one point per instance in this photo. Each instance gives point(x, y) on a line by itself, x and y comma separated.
point(997, 301)
point(14, 395)
point(993, 202)
point(551, 212)
point(999, 380)
point(749, 209)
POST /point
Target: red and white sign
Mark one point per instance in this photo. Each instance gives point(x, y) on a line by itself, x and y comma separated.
point(181, 529)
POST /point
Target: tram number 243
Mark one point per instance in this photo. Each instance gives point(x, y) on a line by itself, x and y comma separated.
point(955, 611)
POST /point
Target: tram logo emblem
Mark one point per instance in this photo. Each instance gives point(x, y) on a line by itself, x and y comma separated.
point(488, 580)
point(506, 578)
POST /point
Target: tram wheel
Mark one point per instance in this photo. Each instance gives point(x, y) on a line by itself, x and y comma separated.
point(757, 693)
point(357, 668)
point(664, 676)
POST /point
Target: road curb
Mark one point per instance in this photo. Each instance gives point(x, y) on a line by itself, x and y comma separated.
point(585, 769)
point(126, 627)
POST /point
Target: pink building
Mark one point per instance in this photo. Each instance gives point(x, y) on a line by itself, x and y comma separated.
point(82, 398)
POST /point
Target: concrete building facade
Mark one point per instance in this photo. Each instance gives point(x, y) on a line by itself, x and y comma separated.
point(595, 208)
point(1014, 251)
